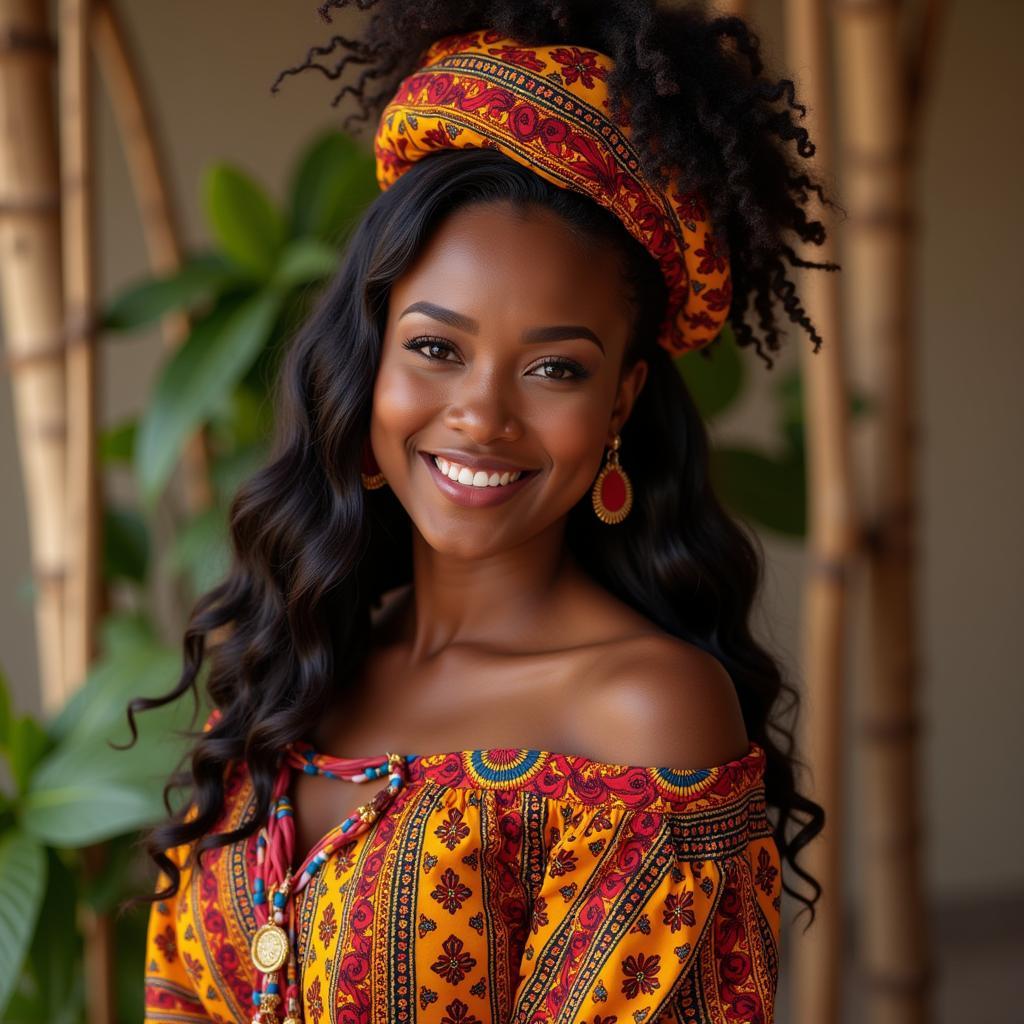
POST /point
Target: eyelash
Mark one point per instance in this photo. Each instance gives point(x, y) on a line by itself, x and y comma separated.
point(580, 373)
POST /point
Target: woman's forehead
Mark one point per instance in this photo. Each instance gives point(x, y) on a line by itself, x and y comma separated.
point(493, 252)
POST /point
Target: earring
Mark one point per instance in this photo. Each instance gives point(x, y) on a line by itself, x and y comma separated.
point(373, 478)
point(612, 493)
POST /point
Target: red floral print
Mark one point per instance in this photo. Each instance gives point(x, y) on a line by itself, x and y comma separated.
point(457, 1012)
point(519, 55)
point(328, 924)
point(194, 968)
point(765, 877)
point(641, 974)
point(712, 257)
point(562, 862)
point(314, 1001)
point(581, 64)
point(452, 831)
point(167, 944)
point(539, 917)
point(453, 965)
point(678, 910)
point(450, 892)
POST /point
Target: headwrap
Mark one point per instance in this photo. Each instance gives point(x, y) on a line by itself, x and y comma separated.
point(547, 107)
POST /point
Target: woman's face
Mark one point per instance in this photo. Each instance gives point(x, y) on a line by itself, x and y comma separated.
point(502, 352)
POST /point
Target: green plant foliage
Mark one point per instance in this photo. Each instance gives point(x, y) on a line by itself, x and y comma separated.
point(125, 545)
point(22, 883)
point(69, 786)
point(199, 376)
point(198, 280)
point(244, 221)
point(714, 380)
point(117, 443)
point(200, 550)
point(334, 182)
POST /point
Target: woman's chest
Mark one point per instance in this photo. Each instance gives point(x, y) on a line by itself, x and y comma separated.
point(426, 908)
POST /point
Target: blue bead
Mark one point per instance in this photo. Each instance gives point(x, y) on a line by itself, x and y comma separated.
point(273, 988)
point(255, 997)
point(309, 769)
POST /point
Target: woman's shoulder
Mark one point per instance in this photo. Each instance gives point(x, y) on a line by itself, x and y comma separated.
point(653, 699)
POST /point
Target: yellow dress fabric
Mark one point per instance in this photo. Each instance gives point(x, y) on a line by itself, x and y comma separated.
point(504, 886)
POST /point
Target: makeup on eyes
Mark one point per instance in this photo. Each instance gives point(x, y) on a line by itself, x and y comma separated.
point(578, 370)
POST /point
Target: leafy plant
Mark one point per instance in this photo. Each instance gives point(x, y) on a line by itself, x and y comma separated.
point(70, 814)
point(69, 790)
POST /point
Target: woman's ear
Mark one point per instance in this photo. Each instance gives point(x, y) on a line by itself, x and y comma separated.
point(630, 386)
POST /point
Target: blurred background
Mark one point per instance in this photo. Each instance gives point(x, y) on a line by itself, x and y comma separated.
point(207, 69)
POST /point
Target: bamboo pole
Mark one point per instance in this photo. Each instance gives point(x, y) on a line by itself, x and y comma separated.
point(31, 305)
point(141, 146)
point(83, 602)
point(831, 544)
point(78, 227)
point(877, 168)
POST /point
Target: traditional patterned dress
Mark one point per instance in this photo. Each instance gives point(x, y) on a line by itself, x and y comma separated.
point(502, 886)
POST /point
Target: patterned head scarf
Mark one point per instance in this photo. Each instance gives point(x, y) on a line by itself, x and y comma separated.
point(547, 107)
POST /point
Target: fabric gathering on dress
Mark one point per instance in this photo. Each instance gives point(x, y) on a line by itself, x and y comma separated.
point(501, 885)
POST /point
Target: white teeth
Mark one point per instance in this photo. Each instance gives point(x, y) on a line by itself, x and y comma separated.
point(471, 478)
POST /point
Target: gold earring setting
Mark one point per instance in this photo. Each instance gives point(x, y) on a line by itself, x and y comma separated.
point(612, 493)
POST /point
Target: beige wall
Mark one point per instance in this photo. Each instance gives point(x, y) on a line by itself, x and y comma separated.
point(211, 65)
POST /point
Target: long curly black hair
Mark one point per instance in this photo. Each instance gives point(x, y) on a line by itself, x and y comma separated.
point(285, 633)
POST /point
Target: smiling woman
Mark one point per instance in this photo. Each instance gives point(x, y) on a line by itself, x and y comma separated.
point(487, 529)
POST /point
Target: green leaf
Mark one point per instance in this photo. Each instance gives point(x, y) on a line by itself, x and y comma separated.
point(335, 182)
point(198, 280)
point(772, 492)
point(27, 746)
point(125, 545)
point(86, 810)
point(56, 949)
point(131, 662)
point(199, 377)
point(22, 881)
point(100, 704)
point(117, 443)
point(305, 260)
point(243, 219)
point(714, 380)
point(201, 551)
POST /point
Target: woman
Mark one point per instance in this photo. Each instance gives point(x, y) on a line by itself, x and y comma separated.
point(487, 530)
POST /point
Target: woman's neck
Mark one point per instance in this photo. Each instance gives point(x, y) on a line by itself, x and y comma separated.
point(496, 602)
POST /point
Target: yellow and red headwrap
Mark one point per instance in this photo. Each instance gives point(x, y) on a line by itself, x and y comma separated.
point(547, 107)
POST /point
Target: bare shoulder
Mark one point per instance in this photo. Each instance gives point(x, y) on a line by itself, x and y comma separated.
point(657, 700)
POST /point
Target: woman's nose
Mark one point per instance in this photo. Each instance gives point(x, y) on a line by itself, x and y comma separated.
point(484, 408)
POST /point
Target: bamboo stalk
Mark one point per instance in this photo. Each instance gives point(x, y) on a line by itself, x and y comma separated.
point(78, 230)
point(31, 305)
point(142, 150)
point(893, 953)
point(831, 544)
point(83, 601)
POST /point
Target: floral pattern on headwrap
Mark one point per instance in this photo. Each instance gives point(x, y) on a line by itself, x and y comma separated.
point(547, 107)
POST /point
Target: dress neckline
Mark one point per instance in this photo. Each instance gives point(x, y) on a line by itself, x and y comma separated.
point(567, 776)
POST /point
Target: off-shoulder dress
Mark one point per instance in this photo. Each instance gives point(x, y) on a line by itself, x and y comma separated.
point(500, 886)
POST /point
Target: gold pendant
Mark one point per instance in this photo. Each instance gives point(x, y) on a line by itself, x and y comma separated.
point(269, 947)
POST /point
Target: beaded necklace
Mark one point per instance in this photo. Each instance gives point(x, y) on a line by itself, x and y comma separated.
point(274, 944)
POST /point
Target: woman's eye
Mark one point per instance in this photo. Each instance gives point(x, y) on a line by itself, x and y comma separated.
point(564, 369)
point(432, 346)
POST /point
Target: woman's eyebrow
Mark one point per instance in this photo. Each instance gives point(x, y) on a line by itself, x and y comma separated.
point(471, 326)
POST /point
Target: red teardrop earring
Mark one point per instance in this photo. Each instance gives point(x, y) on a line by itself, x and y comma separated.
point(612, 493)
point(371, 474)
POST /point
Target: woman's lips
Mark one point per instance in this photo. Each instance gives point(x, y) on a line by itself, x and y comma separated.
point(474, 497)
